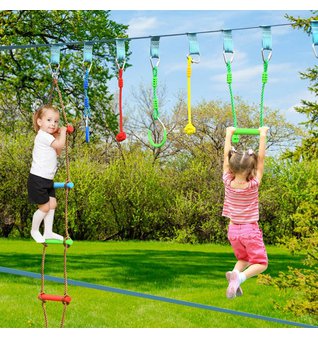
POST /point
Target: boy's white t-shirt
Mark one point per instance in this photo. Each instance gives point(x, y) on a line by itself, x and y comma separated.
point(44, 161)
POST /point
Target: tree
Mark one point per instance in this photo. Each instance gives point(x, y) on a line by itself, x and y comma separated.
point(302, 209)
point(308, 149)
point(25, 75)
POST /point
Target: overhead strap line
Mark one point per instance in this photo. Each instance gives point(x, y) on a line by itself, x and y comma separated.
point(103, 41)
point(153, 297)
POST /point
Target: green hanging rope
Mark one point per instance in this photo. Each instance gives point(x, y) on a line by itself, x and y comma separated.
point(235, 137)
point(154, 55)
point(228, 50)
point(229, 82)
point(264, 81)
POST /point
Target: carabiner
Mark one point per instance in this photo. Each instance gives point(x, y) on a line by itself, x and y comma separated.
point(225, 57)
point(192, 59)
point(158, 61)
point(118, 66)
point(268, 56)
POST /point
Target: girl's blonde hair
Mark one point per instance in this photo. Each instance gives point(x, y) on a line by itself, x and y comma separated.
point(240, 162)
point(40, 113)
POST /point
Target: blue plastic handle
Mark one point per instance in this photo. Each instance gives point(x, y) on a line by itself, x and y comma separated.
point(62, 185)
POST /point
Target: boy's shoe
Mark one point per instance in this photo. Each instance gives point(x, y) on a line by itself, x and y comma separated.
point(234, 288)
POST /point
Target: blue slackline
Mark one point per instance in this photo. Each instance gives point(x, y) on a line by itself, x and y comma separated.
point(151, 297)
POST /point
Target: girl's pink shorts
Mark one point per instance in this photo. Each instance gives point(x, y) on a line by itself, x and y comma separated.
point(247, 243)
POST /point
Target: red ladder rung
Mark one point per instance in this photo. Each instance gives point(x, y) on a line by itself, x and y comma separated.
point(57, 298)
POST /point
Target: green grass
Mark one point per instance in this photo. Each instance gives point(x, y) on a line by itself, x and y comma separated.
point(192, 273)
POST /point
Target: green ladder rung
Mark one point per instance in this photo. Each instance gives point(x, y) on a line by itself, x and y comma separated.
point(55, 241)
point(246, 131)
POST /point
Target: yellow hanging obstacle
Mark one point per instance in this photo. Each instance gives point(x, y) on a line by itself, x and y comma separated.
point(193, 52)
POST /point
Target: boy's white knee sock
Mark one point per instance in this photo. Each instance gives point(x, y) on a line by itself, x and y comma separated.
point(38, 216)
point(48, 226)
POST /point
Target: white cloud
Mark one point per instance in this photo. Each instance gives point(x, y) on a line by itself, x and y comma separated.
point(140, 26)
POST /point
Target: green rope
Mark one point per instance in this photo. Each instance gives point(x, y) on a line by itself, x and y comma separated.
point(264, 81)
point(155, 97)
point(229, 82)
point(235, 138)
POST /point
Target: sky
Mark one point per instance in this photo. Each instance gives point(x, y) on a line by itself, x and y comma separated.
point(292, 53)
point(292, 49)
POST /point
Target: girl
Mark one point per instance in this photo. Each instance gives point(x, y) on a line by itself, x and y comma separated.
point(48, 143)
point(242, 174)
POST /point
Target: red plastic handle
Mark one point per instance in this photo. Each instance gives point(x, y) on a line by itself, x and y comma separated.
point(46, 297)
point(70, 128)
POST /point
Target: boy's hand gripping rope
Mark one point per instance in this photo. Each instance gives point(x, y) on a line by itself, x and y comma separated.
point(154, 54)
point(87, 65)
point(120, 45)
point(65, 299)
point(193, 50)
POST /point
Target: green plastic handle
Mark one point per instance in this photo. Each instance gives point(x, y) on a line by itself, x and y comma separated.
point(55, 241)
point(245, 131)
point(157, 145)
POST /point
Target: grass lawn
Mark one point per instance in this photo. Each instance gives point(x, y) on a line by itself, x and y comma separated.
point(193, 273)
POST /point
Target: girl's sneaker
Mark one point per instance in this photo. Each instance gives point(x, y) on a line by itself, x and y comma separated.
point(230, 292)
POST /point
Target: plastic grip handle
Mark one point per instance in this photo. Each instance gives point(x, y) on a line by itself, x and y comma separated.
point(62, 185)
point(245, 131)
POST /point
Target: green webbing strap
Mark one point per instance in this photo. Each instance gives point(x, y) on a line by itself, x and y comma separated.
point(266, 42)
point(193, 47)
point(154, 49)
point(55, 55)
point(227, 41)
point(88, 53)
point(120, 51)
point(267, 37)
point(228, 46)
point(314, 33)
point(266, 45)
point(55, 60)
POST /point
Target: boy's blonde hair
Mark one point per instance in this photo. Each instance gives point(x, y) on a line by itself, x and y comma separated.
point(240, 162)
point(40, 113)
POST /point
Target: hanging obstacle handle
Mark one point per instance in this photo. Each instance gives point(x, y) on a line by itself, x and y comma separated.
point(164, 136)
point(228, 55)
point(154, 55)
point(87, 65)
point(63, 185)
point(56, 298)
point(246, 131)
point(120, 61)
point(189, 128)
point(193, 57)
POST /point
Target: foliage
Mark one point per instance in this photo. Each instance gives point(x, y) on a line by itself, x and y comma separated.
point(25, 74)
point(299, 197)
point(193, 273)
point(15, 164)
point(308, 148)
point(295, 199)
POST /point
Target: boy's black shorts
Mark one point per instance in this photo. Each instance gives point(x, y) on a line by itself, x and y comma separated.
point(40, 189)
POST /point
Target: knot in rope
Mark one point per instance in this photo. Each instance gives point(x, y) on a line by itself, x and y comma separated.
point(189, 129)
